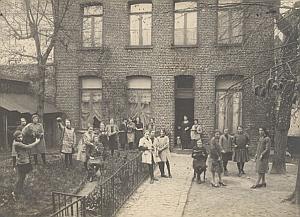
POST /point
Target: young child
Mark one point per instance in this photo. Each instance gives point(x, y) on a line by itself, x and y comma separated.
point(96, 158)
point(199, 163)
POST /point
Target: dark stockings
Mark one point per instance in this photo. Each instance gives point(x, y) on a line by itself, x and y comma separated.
point(130, 145)
point(225, 165)
point(161, 168)
point(68, 159)
point(241, 167)
point(35, 157)
point(151, 171)
point(168, 166)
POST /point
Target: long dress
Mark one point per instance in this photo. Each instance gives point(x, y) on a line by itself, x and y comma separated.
point(32, 131)
point(68, 140)
point(131, 132)
point(139, 133)
point(215, 155)
point(185, 135)
point(240, 154)
point(123, 134)
point(112, 130)
point(263, 149)
point(163, 147)
point(84, 146)
point(103, 137)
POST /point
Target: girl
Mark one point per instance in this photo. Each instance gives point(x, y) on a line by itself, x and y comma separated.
point(139, 130)
point(68, 140)
point(130, 133)
point(185, 132)
point(164, 152)
point(85, 145)
point(240, 154)
point(215, 155)
point(262, 157)
point(196, 132)
point(23, 160)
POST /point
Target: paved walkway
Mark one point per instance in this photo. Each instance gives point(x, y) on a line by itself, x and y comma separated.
point(166, 197)
point(238, 200)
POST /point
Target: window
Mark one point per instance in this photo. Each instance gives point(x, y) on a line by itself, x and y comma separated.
point(228, 104)
point(92, 26)
point(230, 22)
point(139, 98)
point(185, 23)
point(91, 98)
point(140, 24)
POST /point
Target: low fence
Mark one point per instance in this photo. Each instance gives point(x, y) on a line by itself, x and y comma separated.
point(109, 196)
point(68, 205)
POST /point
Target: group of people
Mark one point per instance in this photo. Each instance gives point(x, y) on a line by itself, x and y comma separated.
point(225, 147)
point(28, 141)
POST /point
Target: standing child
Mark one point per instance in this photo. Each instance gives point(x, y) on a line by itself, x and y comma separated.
point(199, 163)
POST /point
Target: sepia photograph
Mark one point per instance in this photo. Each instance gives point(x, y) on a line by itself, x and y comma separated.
point(149, 108)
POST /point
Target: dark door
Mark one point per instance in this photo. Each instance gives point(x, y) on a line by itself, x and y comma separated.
point(184, 104)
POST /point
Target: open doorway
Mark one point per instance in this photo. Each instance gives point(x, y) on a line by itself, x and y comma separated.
point(184, 104)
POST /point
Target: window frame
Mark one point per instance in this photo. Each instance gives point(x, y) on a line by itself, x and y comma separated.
point(229, 10)
point(232, 92)
point(81, 78)
point(197, 25)
point(82, 6)
point(129, 24)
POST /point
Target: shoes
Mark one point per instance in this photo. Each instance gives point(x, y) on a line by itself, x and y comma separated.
point(164, 176)
point(170, 176)
point(240, 174)
point(243, 172)
point(199, 181)
point(264, 185)
point(222, 184)
point(151, 181)
point(214, 185)
point(256, 186)
point(155, 179)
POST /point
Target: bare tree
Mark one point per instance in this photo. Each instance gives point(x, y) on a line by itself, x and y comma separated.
point(27, 21)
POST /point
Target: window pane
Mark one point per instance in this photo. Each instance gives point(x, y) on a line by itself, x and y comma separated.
point(184, 6)
point(229, 1)
point(98, 31)
point(93, 10)
point(179, 29)
point(237, 26)
point(223, 27)
point(134, 29)
point(91, 83)
point(192, 20)
point(140, 8)
point(146, 25)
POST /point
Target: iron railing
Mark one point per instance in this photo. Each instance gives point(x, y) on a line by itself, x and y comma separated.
point(68, 205)
point(109, 196)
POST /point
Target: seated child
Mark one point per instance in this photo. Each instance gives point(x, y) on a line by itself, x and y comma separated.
point(199, 163)
point(96, 158)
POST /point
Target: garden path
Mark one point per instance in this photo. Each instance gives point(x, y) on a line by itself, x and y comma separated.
point(165, 197)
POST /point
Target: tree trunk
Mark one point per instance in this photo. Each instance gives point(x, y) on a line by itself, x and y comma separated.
point(297, 188)
point(282, 125)
point(41, 91)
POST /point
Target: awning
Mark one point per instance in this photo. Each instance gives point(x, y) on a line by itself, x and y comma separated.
point(23, 103)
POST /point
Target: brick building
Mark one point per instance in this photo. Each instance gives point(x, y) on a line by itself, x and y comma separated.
point(164, 59)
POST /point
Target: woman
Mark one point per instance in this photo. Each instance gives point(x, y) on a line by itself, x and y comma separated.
point(151, 126)
point(163, 148)
point(112, 132)
point(32, 131)
point(123, 133)
point(139, 130)
point(23, 160)
point(103, 135)
point(68, 140)
point(196, 132)
point(85, 145)
point(240, 154)
point(215, 159)
point(185, 132)
point(130, 133)
point(148, 156)
point(262, 157)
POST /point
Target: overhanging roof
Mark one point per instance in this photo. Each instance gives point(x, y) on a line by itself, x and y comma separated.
point(23, 103)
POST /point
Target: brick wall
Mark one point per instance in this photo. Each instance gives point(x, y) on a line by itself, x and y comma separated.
point(163, 62)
